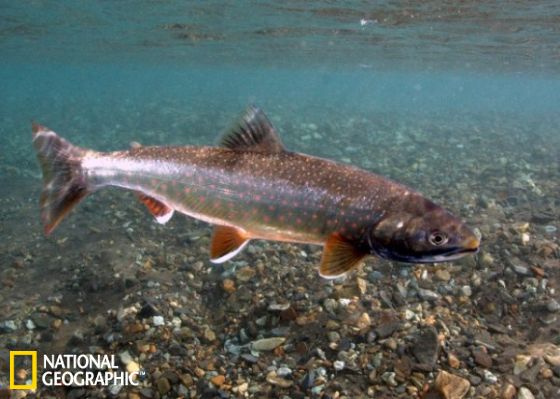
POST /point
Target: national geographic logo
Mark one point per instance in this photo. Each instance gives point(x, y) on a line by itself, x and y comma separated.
point(33, 384)
point(68, 370)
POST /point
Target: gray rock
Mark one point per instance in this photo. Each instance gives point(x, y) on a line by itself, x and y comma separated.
point(427, 295)
point(426, 348)
point(525, 393)
point(8, 326)
point(267, 344)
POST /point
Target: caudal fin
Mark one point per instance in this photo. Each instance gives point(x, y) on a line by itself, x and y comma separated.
point(64, 183)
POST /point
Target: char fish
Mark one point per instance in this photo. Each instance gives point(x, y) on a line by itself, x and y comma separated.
point(251, 187)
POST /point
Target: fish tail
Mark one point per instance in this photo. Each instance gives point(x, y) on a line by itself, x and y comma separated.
point(64, 183)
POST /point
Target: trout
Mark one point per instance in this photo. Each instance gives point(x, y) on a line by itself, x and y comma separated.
point(251, 187)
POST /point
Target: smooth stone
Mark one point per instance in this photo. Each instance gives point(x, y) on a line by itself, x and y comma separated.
point(426, 348)
point(525, 393)
point(267, 344)
point(451, 386)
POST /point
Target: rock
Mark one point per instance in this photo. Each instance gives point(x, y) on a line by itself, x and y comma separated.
point(132, 367)
point(525, 393)
point(443, 275)
point(453, 360)
point(520, 364)
point(163, 385)
point(7, 326)
point(218, 380)
point(451, 386)
point(489, 377)
point(41, 320)
point(508, 391)
point(272, 378)
point(267, 344)
point(363, 321)
point(333, 336)
point(387, 327)
point(362, 285)
point(29, 324)
point(228, 285)
point(125, 357)
point(284, 371)
point(553, 305)
point(208, 334)
point(338, 365)
point(245, 274)
point(158, 321)
point(426, 348)
point(466, 290)
point(481, 357)
point(389, 378)
point(428, 295)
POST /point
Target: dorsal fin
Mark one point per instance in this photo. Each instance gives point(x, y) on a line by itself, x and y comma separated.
point(253, 132)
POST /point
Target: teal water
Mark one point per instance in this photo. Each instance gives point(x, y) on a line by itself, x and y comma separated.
point(459, 100)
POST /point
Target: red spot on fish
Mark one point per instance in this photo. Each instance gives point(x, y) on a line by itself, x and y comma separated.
point(202, 198)
point(187, 190)
point(282, 218)
point(298, 221)
point(257, 197)
point(266, 218)
point(314, 216)
point(163, 187)
point(271, 208)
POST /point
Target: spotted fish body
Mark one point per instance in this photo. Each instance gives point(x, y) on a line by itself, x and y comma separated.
point(252, 188)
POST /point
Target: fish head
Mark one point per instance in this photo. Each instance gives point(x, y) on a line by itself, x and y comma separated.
point(422, 234)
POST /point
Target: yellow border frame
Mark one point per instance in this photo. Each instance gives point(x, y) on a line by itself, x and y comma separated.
point(33, 354)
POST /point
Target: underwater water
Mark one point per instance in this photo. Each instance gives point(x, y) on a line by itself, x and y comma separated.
point(458, 100)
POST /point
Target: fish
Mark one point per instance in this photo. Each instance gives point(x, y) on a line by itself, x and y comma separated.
point(251, 187)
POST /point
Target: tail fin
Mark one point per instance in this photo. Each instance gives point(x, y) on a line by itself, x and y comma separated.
point(64, 183)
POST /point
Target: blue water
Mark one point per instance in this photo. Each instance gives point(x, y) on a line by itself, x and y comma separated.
point(458, 99)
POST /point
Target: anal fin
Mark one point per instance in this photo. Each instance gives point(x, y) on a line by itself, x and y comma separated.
point(226, 243)
point(339, 257)
point(161, 212)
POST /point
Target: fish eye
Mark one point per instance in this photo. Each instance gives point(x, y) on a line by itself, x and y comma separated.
point(438, 238)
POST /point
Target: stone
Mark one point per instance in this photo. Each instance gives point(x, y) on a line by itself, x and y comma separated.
point(267, 344)
point(363, 321)
point(228, 285)
point(218, 380)
point(443, 275)
point(426, 348)
point(163, 385)
point(428, 295)
point(389, 378)
point(508, 391)
point(158, 321)
point(521, 363)
point(482, 358)
point(489, 377)
point(273, 379)
point(338, 365)
point(451, 386)
point(525, 393)
point(453, 360)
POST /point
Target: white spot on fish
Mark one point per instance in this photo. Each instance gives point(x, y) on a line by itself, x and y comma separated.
point(400, 225)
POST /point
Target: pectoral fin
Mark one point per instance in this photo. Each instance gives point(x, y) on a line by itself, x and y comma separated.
point(339, 257)
point(158, 209)
point(226, 243)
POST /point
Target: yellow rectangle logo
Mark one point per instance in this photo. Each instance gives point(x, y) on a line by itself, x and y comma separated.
point(33, 354)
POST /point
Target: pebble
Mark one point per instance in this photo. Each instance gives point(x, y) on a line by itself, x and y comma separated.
point(284, 371)
point(125, 357)
point(553, 305)
point(466, 290)
point(338, 365)
point(489, 377)
point(7, 326)
point(274, 379)
point(508, 391)
point(453, 360)
point(267, 344)
point(428, 295)
point(426, 347)
point(451, 386)
point(525, 393)
point(29, 324)
point(363, 321)
point(163, 385)
point(482, 358)
point(389, 378)
point(442, 275)
point(158, 321)
point(218, 380)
